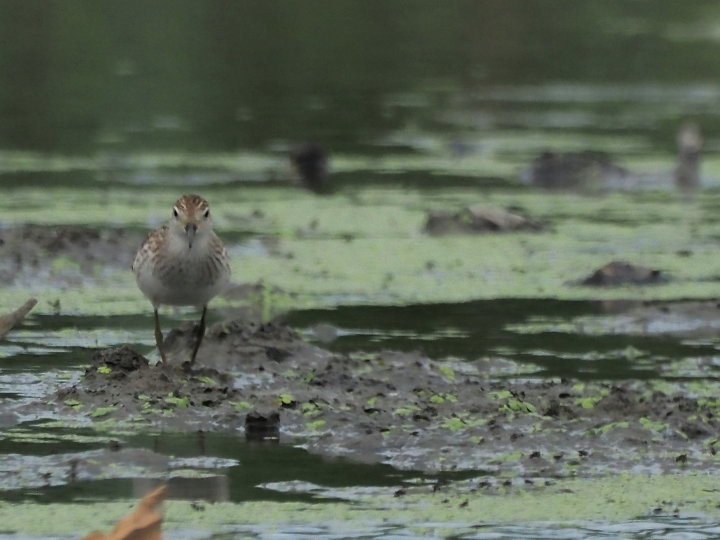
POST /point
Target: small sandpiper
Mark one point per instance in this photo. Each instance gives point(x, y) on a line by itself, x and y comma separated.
point(183, 263)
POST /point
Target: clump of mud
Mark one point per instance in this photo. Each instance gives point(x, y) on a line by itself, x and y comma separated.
point(479, 219)
point(238, 345)
point(122, 381)
point(623, 273)
point(568, 170)
point(400, 408)
point(31, 250)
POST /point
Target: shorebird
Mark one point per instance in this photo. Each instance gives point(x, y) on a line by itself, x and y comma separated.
point(687, 169)
point(182, 263)
point(310, 163)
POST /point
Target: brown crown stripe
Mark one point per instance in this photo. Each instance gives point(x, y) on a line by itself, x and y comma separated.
point(191, 201)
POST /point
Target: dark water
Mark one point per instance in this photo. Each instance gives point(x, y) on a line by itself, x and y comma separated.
point(92, 76)
point(472, 330)
point(258, 464)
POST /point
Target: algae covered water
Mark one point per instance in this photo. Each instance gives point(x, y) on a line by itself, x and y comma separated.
point(467, 381)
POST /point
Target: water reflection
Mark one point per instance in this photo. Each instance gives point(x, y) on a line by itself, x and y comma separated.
point(82, 464)
point(551, 334)
point(224, 75)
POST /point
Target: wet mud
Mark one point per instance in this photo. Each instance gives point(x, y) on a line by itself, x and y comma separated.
point(480, 219)
point(618, 273)
point(66, 253)
point(404, 409)
point(556, 170)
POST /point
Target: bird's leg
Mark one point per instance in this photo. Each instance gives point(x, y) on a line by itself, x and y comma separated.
point(159, 338)
point(201, 334)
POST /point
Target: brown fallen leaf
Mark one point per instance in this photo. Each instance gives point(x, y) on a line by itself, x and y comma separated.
point(9, 320)
point(143, 523)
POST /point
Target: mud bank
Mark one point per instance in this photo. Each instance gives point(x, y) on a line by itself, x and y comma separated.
point(479, 219)
point(401, 408)
point(66, 253)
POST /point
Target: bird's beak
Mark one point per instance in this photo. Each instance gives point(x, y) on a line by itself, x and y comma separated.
point(190, 229)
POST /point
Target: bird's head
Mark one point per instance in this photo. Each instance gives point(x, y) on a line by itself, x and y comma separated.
point(191, 219)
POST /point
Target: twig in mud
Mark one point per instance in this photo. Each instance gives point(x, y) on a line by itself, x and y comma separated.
point(10, 320)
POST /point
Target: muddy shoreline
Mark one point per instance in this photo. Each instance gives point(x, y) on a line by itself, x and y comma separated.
point(398, 408)
point(64, 254)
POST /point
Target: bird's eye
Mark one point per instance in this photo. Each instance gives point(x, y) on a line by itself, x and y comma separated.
point(175, 212)
point(206, 214)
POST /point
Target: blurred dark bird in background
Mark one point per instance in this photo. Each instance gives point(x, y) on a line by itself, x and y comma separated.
point(310, 164)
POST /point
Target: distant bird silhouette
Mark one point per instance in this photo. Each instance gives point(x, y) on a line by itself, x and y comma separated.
point(310, 162)
point(687, 169)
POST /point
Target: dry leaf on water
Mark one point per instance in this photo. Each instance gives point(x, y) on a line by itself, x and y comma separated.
point(143, 523)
